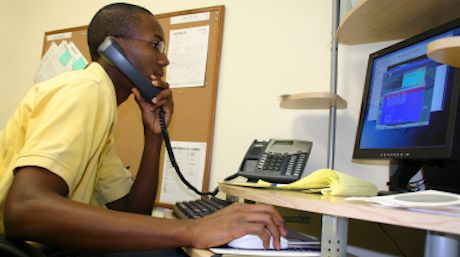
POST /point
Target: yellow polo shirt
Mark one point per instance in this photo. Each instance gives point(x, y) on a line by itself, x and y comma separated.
point(66, 126)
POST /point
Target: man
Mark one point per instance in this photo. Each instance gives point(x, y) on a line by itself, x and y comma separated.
point(58, 165)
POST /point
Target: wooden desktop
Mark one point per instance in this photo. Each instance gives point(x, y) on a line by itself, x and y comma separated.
point(336, 212)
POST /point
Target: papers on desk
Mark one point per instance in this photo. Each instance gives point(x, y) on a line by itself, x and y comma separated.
point(289, 252)
point(325, 181)
point(428, 201)
point(300, 244)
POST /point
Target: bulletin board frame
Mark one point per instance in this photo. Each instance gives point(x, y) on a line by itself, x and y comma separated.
point(194, 107)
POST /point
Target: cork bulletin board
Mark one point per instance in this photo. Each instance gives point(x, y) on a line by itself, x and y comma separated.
point(194, 107)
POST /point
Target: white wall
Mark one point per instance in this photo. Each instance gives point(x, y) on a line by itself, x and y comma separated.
point(270, 48)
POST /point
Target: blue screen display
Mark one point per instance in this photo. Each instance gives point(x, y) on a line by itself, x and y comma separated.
point(407, 99)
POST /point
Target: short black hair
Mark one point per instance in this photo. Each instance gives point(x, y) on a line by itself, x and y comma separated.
point(118, 19)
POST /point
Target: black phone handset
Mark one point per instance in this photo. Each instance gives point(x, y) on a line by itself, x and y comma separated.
point(114, 54)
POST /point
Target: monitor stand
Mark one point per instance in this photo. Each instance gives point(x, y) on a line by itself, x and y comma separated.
point(401, 172)
point(442, 175)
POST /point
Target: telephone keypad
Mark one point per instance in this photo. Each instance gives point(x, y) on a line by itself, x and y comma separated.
point(272, 162)
point(287, 164)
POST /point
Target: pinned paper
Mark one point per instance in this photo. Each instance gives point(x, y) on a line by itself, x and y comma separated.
point(58, 59)
point(190, 157)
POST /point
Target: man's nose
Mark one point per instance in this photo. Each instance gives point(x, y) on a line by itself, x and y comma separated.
point(163, 60)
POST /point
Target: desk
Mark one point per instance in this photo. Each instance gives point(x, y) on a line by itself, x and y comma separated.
point(336, 213)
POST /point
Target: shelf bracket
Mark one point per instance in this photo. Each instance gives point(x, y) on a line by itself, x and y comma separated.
point(334, 236)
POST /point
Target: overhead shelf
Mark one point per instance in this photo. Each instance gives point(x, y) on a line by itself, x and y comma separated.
point(312, 100)
point(445, 50)
point(382, 20)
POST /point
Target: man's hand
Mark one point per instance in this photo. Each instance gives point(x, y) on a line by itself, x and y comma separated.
point(235, 221)
point(150, 110)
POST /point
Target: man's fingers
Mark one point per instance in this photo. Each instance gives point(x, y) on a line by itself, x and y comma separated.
point(264, 221)
point(271, 216)
point(135, 93)
point(139, 99)
point(162, 97)
point(268, 223)
point(260, 231)
point(157, 82)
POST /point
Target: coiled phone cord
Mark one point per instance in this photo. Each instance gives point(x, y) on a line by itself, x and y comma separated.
point(164, 132)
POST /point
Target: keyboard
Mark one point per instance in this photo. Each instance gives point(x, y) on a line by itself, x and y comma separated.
point(198, 208)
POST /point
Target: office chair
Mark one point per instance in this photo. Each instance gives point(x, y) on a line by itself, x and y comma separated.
point(18, 249)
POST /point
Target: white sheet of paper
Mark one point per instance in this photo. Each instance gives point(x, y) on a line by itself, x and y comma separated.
point(187, 54)
point(190, 157)
point(42, 71)
point(187, 18)
point(78, 61)
point(419, 199)
point(58, 59)
point(55, 62)
point(59, 36)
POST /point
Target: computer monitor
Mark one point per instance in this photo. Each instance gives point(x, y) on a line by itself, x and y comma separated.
point(410, 113)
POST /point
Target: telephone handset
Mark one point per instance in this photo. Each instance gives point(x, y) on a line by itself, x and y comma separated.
point(114, 54)
point(276, 160)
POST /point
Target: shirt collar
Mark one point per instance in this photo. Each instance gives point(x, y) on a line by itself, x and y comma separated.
point(100, 72)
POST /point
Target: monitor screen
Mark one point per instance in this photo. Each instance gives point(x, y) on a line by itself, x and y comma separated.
point(410, 102)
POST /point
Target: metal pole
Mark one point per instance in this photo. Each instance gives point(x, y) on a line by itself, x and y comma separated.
point(441, 244)
point(333, 109)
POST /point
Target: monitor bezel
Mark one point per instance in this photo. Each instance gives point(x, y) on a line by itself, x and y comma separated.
point(434, 152)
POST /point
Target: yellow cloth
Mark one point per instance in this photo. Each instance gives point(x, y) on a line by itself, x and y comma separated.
point(326, 181)
point(66, 126)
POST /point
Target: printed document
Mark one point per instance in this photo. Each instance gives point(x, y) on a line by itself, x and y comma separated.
point(187, 54)
point(190, 157)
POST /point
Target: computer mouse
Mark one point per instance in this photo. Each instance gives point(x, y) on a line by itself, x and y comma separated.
point(251, 241)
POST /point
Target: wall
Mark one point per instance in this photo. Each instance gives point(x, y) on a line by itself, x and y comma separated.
point(270, 48)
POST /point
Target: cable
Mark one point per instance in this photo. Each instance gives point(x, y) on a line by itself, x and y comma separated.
point(164, 132)
point(416, 185)
point(417, 181)
point(392, 239)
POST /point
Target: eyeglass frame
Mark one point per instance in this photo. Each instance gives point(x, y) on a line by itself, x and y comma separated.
point(159, 46)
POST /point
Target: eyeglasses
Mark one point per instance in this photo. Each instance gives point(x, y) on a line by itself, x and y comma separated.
point(159, 46)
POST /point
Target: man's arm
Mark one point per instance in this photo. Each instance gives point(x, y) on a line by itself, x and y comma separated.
point(141, 197)
point(37, 210)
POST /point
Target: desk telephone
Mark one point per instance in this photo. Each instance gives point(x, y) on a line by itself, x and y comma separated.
point(276, 160)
